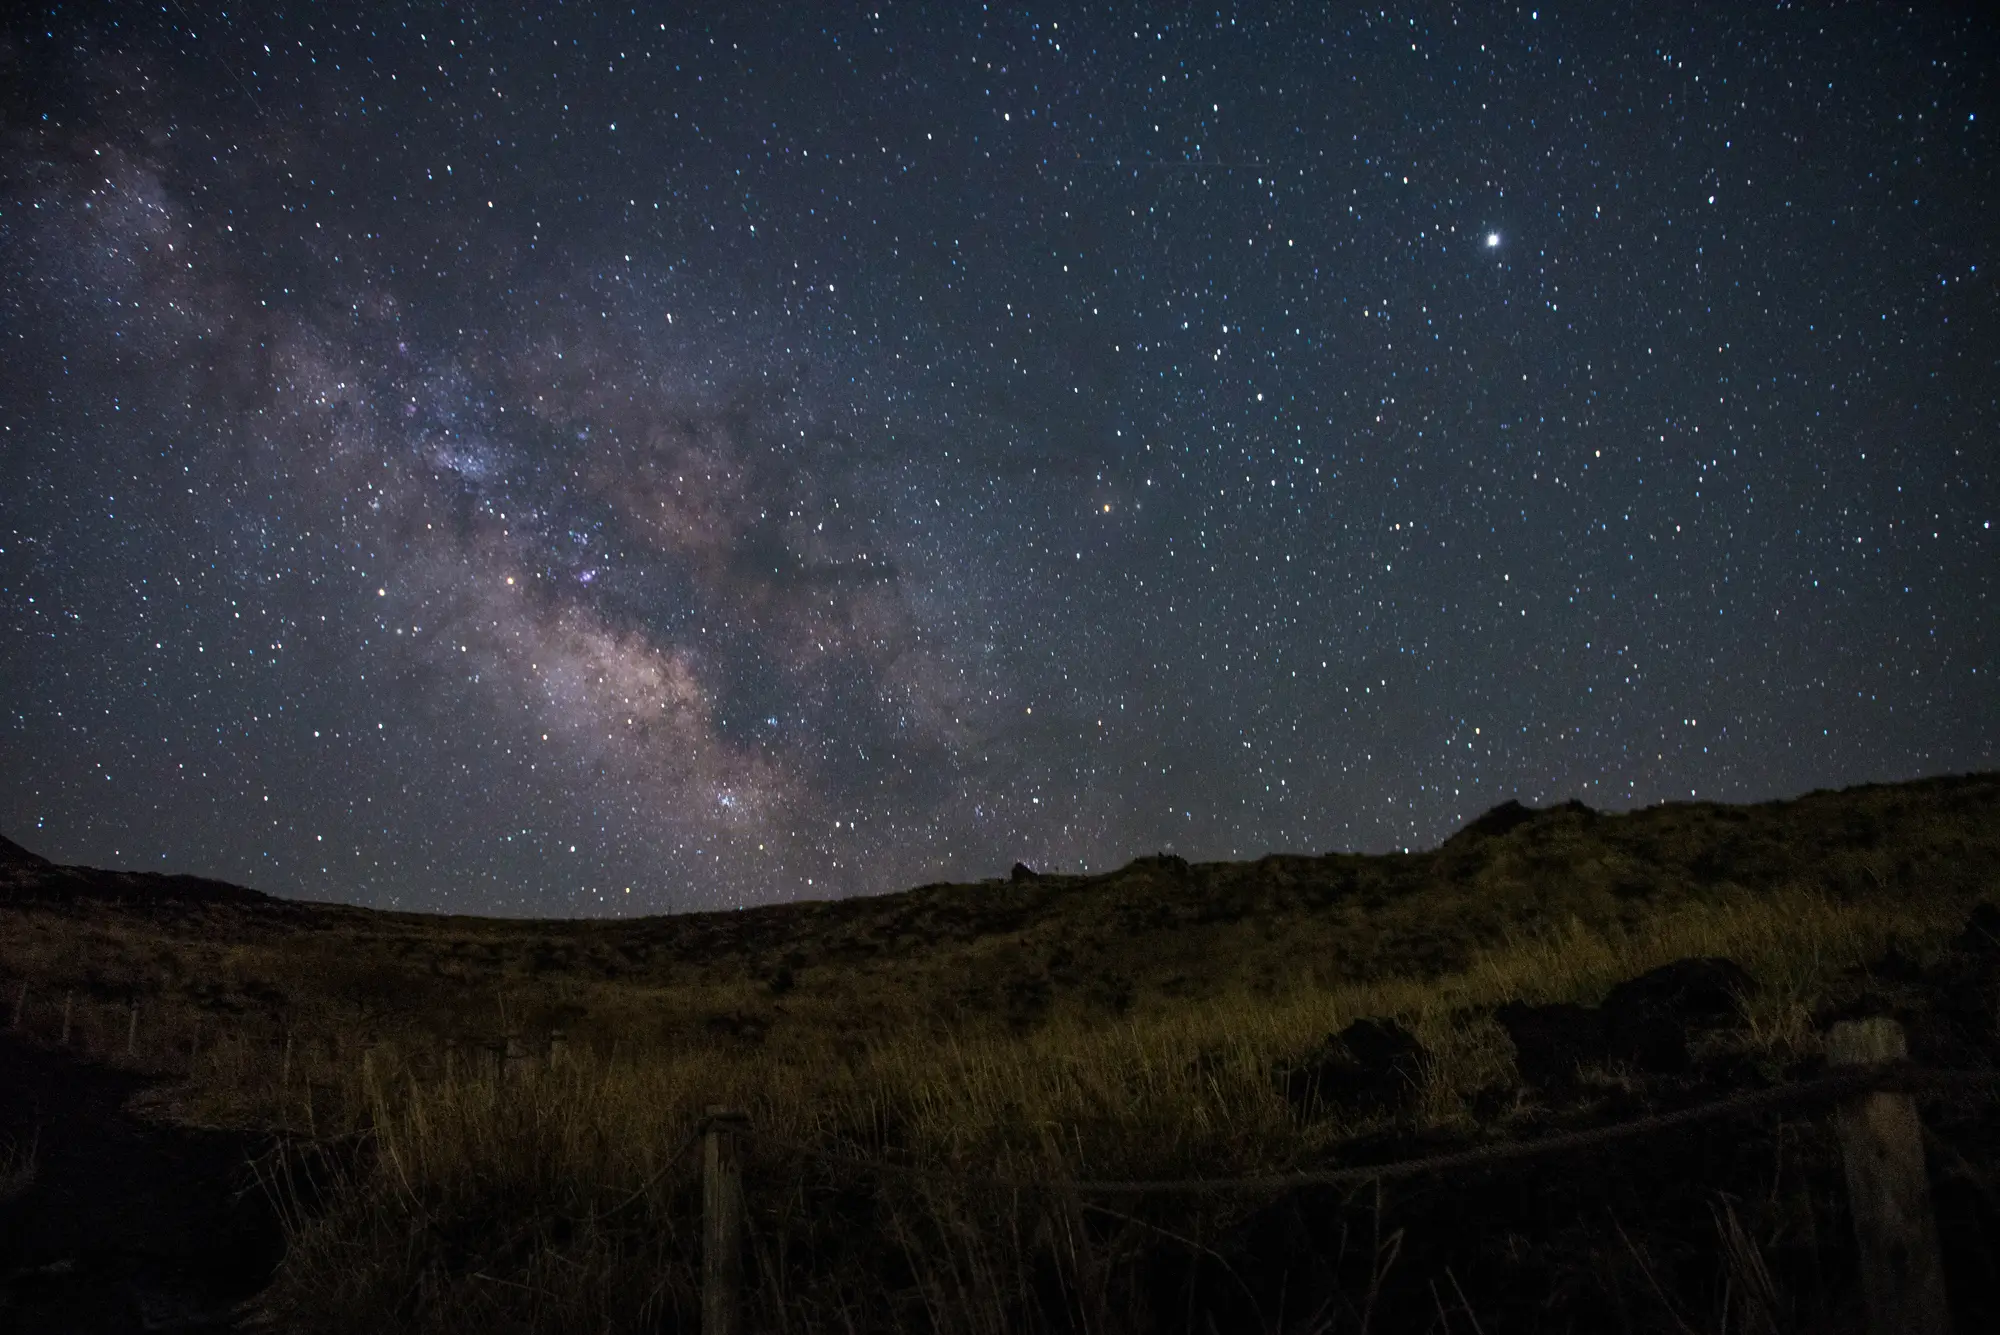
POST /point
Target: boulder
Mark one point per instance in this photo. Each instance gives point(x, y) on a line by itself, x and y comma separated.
point(1550, 1042)
point(1373, 1066)
point(1981, 936)
point(1645, 1022)
point(1648, 1020)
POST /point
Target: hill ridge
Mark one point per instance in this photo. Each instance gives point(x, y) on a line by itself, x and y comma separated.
point(25, 872)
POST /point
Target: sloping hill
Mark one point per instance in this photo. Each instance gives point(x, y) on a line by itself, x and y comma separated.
point(1158, 932)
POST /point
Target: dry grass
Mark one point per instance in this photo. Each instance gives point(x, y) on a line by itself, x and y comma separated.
point(549, 1203)
point(1125, 1026)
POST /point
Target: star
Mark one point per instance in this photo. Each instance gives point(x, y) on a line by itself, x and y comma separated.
point(732, 463)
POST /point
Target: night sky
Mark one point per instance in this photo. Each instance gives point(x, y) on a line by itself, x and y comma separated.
point(554, 460)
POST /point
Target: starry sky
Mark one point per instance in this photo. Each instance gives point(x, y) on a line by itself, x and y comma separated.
point(556, 460)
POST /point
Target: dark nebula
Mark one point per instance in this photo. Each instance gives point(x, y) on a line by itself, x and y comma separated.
point(532, 459)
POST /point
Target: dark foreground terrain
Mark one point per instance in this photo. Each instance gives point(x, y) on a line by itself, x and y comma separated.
point(117, 1222)
point(1739, 1223)
point(489, 1107)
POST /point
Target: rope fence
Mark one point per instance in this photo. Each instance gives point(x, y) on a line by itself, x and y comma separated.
point(1871, 1082)
point(1897, 1076)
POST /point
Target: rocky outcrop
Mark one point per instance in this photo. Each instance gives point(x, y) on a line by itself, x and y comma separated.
point(1645, 1023)
point(1371, 1067)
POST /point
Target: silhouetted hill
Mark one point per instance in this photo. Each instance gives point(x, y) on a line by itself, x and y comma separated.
point(13, 855)
point(28, 876)
point(1159, 931)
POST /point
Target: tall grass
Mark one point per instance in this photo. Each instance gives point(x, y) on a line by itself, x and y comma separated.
point(552, 1199)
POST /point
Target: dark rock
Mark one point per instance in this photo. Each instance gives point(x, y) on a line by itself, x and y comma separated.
point(1645, 1023)
point(1022, 872)
point(1372, 1066)
point(1982, 932)
point(1701, 992)
point(1550, 1042)
point(1511, 815)
point(1491, 1102)
point(1381, 1045)
point(1168, 864)
point(1897, 967)
point(1499, 820)
point(1649, 1019)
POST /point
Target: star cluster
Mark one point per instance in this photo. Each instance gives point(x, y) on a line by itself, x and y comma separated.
point(536, 460)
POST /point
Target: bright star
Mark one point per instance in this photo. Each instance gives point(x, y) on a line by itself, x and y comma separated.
point(1492, 240)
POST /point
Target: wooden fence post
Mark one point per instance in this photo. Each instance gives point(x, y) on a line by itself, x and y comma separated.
point(132, 1031)
point(722, 1222)
point(1882, 1144)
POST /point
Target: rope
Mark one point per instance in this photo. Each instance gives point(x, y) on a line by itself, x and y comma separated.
point(1899, 1076)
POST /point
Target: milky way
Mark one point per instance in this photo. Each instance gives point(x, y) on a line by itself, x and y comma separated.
point(535, 461)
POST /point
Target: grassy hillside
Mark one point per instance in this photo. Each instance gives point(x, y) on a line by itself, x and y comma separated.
point(1145, 1022)
point(1148, 938)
